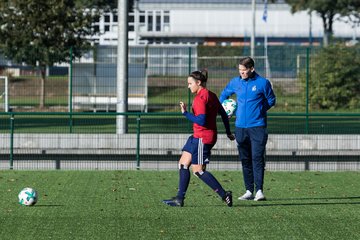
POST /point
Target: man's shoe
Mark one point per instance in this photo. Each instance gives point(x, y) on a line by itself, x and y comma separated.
point(228, 198)
point(174, 202)
point(247, 196)
point(259, 196)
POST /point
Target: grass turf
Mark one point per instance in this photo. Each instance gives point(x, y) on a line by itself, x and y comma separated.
point(127, 205)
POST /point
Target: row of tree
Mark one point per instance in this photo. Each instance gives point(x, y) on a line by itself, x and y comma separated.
point(329, 11)
point(335, 70)
point(40, 33)
point(334, 81)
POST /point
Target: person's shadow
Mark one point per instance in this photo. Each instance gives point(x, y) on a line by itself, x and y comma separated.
point(270, 202)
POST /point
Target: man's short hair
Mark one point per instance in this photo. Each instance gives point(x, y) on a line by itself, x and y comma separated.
point(248, 62)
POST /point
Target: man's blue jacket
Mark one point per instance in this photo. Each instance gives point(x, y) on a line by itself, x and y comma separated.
point(255, 97)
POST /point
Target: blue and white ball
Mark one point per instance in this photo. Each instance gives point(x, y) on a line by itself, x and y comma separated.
point(230, 106)
point(28, 197)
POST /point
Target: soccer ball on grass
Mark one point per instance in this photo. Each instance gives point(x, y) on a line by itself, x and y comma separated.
point(28, 197)
point(230, 106)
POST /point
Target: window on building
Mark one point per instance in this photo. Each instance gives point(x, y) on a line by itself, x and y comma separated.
point(107, 18)
point(106, 26)
point(115, 18)
point(142, 17)
point(166, 24)
point(142, 26)
point(158, 21)
point(150, 22)
point(154, 21)
point(97, 19)
point(131, 22)
point(131, 18)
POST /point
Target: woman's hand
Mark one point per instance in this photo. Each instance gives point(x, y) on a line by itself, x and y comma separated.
point(231, 137)
point(183, 107)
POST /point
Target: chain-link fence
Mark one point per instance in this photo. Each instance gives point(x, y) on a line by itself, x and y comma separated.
point(157, 79)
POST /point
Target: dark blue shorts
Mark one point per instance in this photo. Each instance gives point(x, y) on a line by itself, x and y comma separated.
point(200, 153)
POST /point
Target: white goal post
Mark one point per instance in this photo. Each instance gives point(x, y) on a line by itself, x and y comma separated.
point(4, 94)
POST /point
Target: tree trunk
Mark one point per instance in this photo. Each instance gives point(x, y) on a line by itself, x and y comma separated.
point(42, 87)
point(328, 20)
point(326, 39)
point(326, 34)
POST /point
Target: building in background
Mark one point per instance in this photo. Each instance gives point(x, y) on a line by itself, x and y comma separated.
point(215, 22)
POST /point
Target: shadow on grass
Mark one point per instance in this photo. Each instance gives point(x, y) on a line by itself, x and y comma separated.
point(298, 204)
point(48, 205)
point(240, 204)
point(273, 200)
point(313, 198)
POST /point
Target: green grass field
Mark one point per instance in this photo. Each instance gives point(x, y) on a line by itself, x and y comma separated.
point(127, 205)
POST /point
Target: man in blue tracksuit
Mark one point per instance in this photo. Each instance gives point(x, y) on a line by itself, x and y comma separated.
point(255, 97)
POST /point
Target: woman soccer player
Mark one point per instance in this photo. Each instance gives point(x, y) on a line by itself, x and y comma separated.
point(196, 152)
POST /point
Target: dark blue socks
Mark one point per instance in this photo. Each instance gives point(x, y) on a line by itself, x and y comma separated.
point(206, 177)
point(211, 181)
point(184, 180)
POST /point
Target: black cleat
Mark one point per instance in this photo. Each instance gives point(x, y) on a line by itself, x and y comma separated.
point(174, 202)
point(228, 198)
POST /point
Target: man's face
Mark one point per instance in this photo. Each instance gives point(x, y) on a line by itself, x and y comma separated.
point(245, 72)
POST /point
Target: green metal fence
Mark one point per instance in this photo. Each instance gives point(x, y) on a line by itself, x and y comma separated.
point(80, 99)
point(169, 122)
point(68, 141)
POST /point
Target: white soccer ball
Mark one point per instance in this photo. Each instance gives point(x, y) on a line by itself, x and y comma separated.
point(230, 106)
point(28, 197)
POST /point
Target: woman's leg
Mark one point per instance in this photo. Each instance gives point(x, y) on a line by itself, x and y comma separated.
point(208, 178)
point(184, 174)
point(184, 179)
point(212, 182)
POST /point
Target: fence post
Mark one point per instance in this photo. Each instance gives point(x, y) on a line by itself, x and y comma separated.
point(189, 71)
point(189, 92)
point(138, 142)
point(12, 141)
point(307, 90)
point(70, 90)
